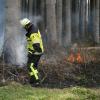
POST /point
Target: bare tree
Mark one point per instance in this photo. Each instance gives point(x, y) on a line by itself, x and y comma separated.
point(31, 8)
point(12, 17)
point(96, 21)
point(83, 18)
point(51, 20)
point(77, 3)
point(59, 20)
point(67, 37)
point(42, 11)
point(12, 29)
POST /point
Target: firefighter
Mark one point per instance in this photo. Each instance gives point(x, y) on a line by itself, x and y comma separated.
point(35, 49)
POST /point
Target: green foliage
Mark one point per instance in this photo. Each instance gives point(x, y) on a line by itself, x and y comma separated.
point(16, 91)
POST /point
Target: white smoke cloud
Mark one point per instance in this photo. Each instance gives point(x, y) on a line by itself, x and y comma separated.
point(20, 50)
point(15, 50)
point(35, 19)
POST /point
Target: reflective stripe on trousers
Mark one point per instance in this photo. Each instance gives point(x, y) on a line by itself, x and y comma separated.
point(33, 72)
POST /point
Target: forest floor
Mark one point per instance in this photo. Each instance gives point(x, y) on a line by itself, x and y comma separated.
point(16, 91)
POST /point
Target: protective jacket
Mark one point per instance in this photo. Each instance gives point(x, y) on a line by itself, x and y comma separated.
point(34, 41)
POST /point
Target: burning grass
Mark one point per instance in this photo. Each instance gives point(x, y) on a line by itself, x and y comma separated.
point(76, 68)
point(65, 74)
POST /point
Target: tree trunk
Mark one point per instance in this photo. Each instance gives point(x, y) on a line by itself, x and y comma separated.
point(30, 8)
point(59, 21)
point(2, 24)
point(42, 12)
point(67, 37)
point(12, 17)
point(82, 18)
point(51, 21)
point(75, 20)
point(12, 31)
point(96, 22)
point(34, 7)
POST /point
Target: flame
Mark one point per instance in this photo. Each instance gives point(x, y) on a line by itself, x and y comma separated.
point(75, 57)
point(79, 58)
point(71, 58)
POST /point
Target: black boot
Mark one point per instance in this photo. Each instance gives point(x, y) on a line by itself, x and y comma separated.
point(34, 82)
point(37, 83)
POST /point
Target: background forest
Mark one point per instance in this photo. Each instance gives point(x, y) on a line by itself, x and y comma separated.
point(70, 66)
point(66, 26)
point(66, 21)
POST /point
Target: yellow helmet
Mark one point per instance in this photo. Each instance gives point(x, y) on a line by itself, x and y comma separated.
point(24, 22)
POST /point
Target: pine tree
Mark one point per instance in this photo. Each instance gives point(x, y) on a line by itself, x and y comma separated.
point(59, 20)
point(67, 37)
point(96, 21)
point(51, 21)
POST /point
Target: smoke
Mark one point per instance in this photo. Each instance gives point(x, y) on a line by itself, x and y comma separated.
point(1, 43)
point(2, 17)
point(15, 49)
point(15, 44)
point(35, 19)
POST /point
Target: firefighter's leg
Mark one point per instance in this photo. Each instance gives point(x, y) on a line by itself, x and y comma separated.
point(32, 66)
point(34, 72)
